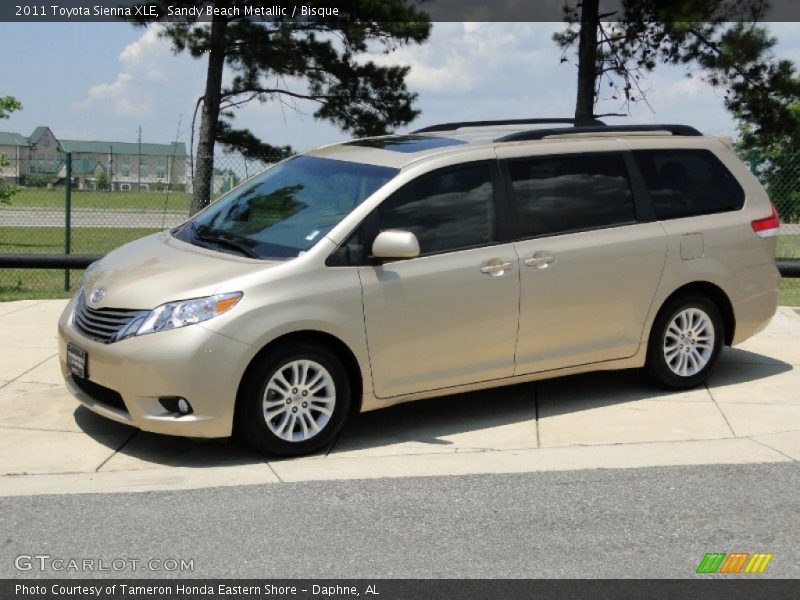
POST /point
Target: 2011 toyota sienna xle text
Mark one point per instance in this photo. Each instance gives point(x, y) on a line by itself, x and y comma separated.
point(377, 271)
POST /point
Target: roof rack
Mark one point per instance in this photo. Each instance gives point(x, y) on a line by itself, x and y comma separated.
point(552, 121)
point(538, 134)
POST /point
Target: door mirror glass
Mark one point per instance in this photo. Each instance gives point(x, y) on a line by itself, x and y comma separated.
point(395, 243)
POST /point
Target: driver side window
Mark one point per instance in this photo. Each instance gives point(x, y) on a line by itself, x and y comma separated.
point(447, 210)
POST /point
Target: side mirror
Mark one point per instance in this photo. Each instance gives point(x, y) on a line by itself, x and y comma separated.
point(395, 243)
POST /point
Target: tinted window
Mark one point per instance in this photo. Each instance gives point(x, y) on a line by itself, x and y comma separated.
point(688, 182)
point(446, 210)
point(558, 194)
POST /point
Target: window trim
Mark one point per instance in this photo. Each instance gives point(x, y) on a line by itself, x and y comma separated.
point(641, 196)
point(641, 208)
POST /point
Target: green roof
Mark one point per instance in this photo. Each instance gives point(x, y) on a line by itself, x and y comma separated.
point(37, 133)
point(13, 139)
point(177, 149)
point(84, 166)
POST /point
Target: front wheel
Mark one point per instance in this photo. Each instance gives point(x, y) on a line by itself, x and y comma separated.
point(294, 401)
point(685, 342)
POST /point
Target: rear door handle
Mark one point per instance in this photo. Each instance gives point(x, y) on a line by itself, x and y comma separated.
point(496, 267)
point(540, 260)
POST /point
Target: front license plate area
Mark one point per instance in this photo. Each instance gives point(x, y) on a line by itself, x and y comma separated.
point(77, 361)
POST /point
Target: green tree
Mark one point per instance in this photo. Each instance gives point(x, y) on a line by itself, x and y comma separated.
point(720, 40)
point(8, 104)
point(102, 180)
point(775, 159)
point(6, 191)
point(320, 60)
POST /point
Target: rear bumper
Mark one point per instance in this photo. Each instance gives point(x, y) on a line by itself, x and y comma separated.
point(757, 302)
point(754, 314)
point(191, 362)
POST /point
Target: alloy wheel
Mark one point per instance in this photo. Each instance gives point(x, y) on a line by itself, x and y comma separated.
point(689, 342)
point(299, 400)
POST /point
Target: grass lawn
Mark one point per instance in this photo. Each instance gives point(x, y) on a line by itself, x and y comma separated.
point(20, 284)
point(133, 201)
point(85, 240)
point(790, 292)
point(788, 247)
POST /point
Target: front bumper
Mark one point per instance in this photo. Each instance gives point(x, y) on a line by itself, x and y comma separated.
point(190, 362)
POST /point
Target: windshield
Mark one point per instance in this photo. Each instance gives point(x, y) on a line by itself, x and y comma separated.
point(285, 210)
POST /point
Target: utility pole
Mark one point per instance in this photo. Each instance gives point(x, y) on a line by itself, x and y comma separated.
point(139, 160)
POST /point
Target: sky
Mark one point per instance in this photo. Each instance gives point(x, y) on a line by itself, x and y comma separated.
point(102, 81)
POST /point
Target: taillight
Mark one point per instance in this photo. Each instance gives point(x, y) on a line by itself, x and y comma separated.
point(768, 226)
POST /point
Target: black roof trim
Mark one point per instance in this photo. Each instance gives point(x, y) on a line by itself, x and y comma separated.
point(538, 134)
point(549, 121)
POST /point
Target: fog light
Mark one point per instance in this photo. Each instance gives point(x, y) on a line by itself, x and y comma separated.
point(176, 404)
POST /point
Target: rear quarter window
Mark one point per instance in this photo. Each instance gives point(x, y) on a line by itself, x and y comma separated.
point(684, 183)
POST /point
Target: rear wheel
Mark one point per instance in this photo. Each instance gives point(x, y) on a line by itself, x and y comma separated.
point(685, 342)
point(294, 401)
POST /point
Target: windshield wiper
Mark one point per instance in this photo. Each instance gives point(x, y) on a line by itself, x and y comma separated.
point(216, 237)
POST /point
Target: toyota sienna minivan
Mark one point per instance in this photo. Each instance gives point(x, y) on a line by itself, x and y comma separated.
point(460, 257)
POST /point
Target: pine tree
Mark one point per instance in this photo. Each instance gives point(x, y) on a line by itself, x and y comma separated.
point(719, 40)
point(8, 104)
point(323, 61)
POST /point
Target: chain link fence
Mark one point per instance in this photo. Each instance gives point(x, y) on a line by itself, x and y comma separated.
point(87, 206)
point(80, 206)
point(779, 172)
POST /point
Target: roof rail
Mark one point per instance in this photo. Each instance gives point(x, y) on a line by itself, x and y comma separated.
point(538, 134)
point(549, 121)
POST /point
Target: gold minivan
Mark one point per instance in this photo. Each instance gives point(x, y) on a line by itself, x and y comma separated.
point(461, 257)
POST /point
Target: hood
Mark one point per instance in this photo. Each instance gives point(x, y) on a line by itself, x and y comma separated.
point(159, 268)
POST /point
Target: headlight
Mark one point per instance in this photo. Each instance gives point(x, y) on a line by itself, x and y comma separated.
point(179, 314)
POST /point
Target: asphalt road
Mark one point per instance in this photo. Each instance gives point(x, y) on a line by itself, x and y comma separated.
point(655, 522)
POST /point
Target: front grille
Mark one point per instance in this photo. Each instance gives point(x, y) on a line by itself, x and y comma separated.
point(100, 393)
point(104, 324)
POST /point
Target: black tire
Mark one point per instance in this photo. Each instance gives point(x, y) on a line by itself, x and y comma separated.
point(657, 366)
point(251, 421)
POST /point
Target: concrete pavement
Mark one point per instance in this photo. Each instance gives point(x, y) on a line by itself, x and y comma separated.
point(749, 413)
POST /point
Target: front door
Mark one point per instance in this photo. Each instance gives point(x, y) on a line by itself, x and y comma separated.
point(448, 317)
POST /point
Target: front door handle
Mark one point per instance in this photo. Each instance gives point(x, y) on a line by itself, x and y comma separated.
point(540, 260)
point(496, 267)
